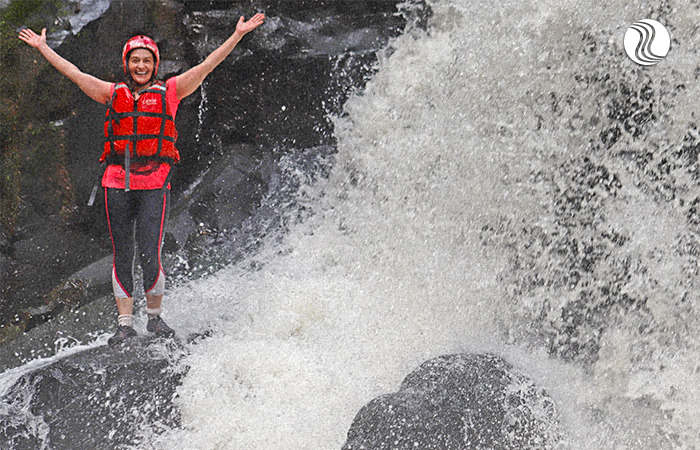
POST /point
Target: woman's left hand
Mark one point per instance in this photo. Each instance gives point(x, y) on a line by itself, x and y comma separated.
point(189, 81)
point(244, 27)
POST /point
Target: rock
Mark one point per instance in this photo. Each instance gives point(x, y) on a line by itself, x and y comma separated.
point(83, 12)
point(226, 195)
point(456, 402)
point(68, 327)
point(99, 398)
point(31, 278)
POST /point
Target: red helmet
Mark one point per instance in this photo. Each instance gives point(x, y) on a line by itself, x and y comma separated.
point(141, 41)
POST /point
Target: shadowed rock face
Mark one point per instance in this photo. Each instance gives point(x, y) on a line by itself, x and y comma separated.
point(459, 401)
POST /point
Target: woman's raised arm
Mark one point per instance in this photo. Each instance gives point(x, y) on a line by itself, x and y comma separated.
point(95, 88)
point(189, 81)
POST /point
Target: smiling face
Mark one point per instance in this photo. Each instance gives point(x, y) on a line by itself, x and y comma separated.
point(140, 65)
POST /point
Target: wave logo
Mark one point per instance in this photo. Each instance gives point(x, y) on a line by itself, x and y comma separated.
point(647, 42)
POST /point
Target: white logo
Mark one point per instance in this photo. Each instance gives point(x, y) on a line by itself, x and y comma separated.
point(647, 42)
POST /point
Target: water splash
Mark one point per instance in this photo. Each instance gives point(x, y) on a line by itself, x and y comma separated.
point(508, 181)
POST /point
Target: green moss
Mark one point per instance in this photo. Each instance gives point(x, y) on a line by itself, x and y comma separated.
point(45, 180)
point(18, 13)
point(9, 332)
point(33, 14)
point(10, 188)
point(20, 156)
point(20, 10)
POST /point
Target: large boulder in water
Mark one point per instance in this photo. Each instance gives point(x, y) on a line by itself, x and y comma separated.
point(459, 401)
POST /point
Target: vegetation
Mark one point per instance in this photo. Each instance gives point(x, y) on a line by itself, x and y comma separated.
point(27, 141)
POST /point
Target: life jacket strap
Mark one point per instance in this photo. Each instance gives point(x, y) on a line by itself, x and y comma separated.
point(167, 179)
point(138, 137)
point(127, 167)
point(91, 201)
point(120, 160)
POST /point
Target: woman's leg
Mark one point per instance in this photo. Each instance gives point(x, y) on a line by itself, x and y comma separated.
point(150, 226)
point(120, 220)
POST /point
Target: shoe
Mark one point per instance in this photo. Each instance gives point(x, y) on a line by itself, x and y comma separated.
point(157, 326)
point(123, 333)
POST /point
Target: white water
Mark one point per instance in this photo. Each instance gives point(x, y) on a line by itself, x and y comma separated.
point(423, 239)
point(84, 12)
point(18, 413)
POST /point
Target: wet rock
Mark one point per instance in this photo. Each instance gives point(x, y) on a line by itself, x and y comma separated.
point(100, 398)
point(227, 195)
point(30, 277)
point(82, 12)
point(68, 327)
point(459, 401)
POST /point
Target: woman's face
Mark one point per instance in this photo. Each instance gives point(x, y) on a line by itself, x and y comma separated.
point(141, 65)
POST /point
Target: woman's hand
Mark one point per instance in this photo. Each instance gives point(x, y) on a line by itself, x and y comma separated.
point(189, 81)
point(243, 27)
point(32, 38)
point(95, 88)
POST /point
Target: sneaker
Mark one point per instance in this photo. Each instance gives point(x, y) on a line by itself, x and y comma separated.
point(123, 333)
point(158, 326)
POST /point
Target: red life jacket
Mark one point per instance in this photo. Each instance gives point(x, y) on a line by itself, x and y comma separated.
point(147, 126)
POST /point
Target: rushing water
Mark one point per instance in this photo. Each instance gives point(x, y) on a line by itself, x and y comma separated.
point(84, 12)
point(509, 182)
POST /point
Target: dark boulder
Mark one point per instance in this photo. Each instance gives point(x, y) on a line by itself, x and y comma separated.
point(463, 401)
point(100, 398)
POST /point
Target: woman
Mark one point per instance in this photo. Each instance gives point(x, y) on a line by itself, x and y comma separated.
point(139, 149)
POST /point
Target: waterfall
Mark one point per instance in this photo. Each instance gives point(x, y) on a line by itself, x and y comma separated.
point(509, 181)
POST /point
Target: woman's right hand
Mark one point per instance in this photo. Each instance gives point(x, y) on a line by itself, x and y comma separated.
point(96, 89)
point(33, 39)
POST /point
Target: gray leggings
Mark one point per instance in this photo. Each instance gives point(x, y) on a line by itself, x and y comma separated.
point(139, 213)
